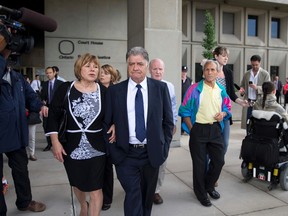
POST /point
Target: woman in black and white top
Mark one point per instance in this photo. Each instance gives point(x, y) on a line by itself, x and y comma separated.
point(225, 78)
point(83, 154)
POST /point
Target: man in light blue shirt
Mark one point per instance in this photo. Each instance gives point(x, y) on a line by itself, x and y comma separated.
point(157, 69)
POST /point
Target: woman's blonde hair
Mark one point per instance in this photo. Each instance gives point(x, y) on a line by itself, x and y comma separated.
point(83, 60)
point(114, 75)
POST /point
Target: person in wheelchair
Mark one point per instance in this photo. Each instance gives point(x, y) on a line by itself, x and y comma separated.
point(268, 101)
point(264, 149)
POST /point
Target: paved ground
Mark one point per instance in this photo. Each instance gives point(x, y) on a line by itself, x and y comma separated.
point(50, 185)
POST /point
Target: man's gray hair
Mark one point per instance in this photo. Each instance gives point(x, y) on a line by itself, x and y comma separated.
point(208, 61)
point(137, 51)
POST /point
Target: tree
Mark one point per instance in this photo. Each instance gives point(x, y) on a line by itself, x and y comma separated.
point(209, 40)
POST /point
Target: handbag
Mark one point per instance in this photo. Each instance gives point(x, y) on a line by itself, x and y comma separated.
point(63, 121)
point(33, 118)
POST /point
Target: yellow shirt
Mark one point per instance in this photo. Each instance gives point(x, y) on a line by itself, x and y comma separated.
point(210, 104)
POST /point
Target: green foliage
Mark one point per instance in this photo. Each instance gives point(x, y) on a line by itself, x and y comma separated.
point(209, 40)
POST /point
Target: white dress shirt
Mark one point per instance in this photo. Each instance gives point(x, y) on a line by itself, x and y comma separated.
point(36, 85)
point(131, 93)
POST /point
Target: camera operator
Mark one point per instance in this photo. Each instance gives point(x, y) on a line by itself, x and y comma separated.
point(15, 96)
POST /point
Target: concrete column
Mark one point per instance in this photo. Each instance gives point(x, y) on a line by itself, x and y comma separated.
point(156, 25)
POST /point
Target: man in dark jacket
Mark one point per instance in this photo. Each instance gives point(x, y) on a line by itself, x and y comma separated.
point(47, 93)
point(16, 95)
point(143, 126)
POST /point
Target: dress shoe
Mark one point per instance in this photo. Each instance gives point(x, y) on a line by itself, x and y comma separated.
point(206, 202)
point(34, 207)
point(106, 207)
point(32, 158)
point(47, 148)
point(214, 194)
point(157, 199)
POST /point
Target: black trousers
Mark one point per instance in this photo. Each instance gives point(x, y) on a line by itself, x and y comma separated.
point(138, 179)
point(278, 95)
point(108, 182)
point(206, 139)
point(18, 162)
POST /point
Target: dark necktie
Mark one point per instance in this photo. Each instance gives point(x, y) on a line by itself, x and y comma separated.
point(139, 115)
point(38, 85)
point(50, 89)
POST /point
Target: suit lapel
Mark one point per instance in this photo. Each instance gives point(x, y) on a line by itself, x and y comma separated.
point(122, 99)
point(150, 89)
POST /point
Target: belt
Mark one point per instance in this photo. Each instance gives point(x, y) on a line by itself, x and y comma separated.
point(251, 100)
point(209, 123)
point(138, 145)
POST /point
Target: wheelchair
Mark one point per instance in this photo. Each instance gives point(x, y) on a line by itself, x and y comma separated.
point(264, 149)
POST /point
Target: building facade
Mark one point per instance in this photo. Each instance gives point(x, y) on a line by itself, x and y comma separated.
point(244, 27)
point(169, 29)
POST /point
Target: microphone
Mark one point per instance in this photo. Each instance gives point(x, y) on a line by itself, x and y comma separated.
point(32, 18)
point(37, 20)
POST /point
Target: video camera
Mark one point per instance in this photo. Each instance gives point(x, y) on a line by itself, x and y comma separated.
point(17, 38)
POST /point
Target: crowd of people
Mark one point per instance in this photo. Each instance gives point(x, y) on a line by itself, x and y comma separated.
point(129, 124)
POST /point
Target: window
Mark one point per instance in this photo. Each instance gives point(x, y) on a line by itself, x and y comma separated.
point(275, 28)
point(228, 23)
point(274, 71)
point(199, 72)
point(200, 20)
point(252, 26)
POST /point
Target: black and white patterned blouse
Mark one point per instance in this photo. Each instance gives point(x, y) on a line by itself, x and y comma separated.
point(85, 110)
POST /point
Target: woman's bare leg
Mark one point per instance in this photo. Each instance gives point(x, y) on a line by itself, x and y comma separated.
point(81, 196)
point(96, 201)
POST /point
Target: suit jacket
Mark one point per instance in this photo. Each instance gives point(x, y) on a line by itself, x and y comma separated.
point(159, 121)
point(44, 91)
point(262, 77)
point(279, 86)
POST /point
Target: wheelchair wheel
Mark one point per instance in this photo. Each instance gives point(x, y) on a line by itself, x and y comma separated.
point(245, 172)
point(284, 179)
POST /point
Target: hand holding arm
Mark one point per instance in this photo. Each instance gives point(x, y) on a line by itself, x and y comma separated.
point(111, 130)
point(44, 111)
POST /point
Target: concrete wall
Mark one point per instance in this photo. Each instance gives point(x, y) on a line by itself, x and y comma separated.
point(109, 28)
point(161, 37)
point(98, 27)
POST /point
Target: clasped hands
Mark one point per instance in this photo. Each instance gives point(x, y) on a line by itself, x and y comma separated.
point(220, 116)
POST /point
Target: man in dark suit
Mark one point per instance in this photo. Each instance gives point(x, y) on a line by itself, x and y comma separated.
point(139, 150)
point(48, 89)
point(278, 87)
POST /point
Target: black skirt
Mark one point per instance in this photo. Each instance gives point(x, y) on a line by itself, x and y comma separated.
point(86, 175)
